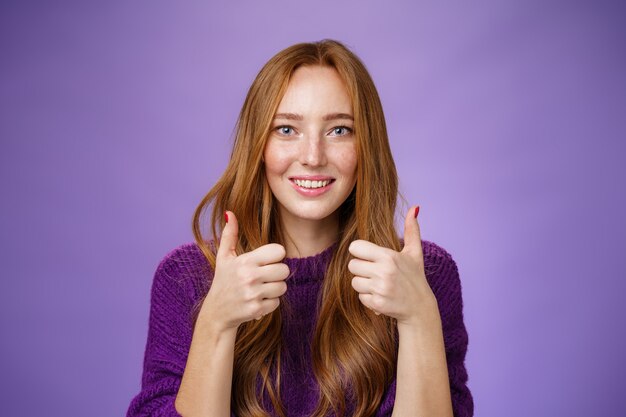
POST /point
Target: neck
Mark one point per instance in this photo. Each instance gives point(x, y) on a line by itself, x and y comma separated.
point(304, 237)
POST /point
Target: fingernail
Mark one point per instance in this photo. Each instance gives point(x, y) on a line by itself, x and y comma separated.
point(226, 217)
point(417, 211)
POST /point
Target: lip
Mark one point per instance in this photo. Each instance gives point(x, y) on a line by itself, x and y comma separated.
point(311, 192)
point(312, 177)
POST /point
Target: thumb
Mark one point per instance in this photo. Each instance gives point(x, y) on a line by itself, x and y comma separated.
point(230, 236)
point(412, 236)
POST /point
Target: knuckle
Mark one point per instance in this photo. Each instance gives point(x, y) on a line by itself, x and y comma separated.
point(388, 271)
point(249, 293)
point(377, 302)
point(254, 275)
point(256, 309)
point(391, 255)
point(250, 262)
point(386, 259)
point(245, 273)
point(278, 249)
point(384, 288)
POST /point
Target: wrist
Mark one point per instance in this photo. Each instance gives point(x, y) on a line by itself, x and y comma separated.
point(426, 319)
point(210, 335)
point(209, 323)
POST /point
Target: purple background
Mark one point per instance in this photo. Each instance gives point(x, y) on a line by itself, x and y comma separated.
point(506, 121)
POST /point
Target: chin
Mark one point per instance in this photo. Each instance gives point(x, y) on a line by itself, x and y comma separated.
point(311, 215)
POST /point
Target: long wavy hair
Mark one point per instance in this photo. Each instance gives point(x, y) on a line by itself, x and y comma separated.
point(354, 351)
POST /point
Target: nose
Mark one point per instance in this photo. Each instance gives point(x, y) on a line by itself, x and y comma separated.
point(313, 152)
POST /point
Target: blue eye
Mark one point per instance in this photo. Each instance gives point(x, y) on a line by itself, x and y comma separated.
point(285, 130)
point(341, 131)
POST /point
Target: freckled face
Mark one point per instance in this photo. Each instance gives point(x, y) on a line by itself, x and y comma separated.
point(310, 155)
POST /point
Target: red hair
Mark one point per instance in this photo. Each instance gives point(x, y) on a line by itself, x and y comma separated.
point(353, 351)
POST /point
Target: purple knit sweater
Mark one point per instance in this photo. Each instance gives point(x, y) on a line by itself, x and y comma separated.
point(182, 278)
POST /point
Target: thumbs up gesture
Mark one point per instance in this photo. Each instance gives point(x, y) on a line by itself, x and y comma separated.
point(245, 286)
point(393, 283)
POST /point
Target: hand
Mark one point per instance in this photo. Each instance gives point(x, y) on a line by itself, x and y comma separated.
point(393, 283)
point(245, 286)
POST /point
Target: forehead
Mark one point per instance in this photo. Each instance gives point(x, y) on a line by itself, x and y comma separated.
point(315, 90)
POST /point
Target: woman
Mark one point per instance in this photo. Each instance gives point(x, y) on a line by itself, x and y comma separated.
point(307, 303)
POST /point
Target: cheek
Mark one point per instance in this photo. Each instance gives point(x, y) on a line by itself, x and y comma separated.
point(346, 161)
point(277, 160)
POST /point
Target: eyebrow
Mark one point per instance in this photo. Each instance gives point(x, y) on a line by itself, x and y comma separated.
point(331, 116)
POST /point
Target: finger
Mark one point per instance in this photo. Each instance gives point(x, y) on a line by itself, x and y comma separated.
point(412, 235)
point(267, 254)
point(271, 290)
point(230, 236)
point(366, 301)
point(267, 306)
point(362, 268)
point(368, 251)
point(362, 285)
point(274, 272)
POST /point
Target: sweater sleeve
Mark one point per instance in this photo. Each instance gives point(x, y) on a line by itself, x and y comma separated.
point(169, 334)
point(450, 300)
point(169, 337)
point(443, 277)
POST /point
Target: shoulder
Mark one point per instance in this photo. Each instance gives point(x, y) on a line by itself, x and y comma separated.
point(186, 256)
point(186, 270)
point(438, 261)
point(443, 277)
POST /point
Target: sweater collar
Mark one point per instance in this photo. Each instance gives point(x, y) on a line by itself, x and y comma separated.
point(309, 269)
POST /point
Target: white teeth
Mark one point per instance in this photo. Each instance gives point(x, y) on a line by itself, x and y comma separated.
point(311, 184)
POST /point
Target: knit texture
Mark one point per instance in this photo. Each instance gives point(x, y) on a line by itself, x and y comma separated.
point(183, 278)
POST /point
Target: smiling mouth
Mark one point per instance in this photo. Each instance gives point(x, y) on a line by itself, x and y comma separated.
point(311, 184)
